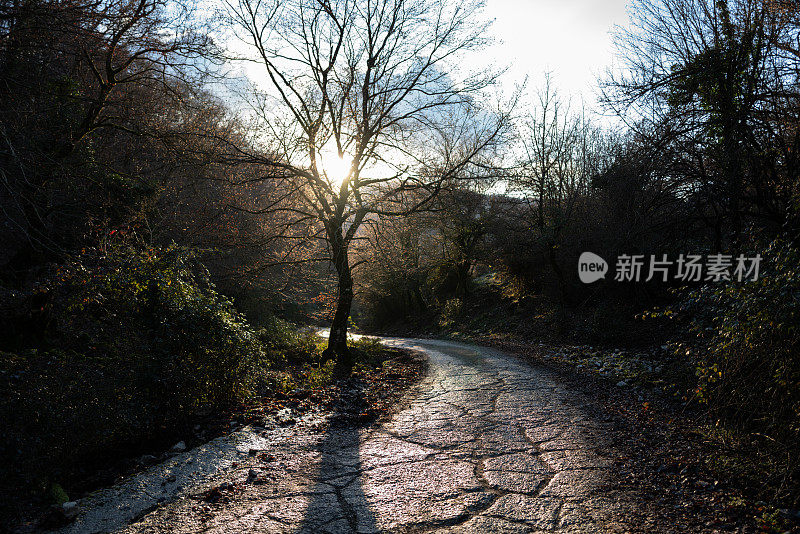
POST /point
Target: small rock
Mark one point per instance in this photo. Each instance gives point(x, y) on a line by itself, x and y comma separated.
point(70, 507)
point(621, 384)
point(179, 447)
point(213, 495)
point(147, 459)
point(252, 475)
point(284, 417)
point(70, 510)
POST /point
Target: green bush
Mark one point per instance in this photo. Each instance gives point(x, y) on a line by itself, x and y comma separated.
point(136, 344)
point(745, 344)
point(451, 311)
point(120, 302)
point(287, 344)
point(368, 351)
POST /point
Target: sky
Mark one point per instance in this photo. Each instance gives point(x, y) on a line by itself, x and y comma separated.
point(569, 38)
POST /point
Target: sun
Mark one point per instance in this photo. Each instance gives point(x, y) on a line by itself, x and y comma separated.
point(335, 167)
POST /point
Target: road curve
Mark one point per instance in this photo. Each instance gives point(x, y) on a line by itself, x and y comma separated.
point(485, 443)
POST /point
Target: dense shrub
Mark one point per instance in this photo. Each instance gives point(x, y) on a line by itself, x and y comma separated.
point(133, 343)
point(286, 344)
point(745, 343)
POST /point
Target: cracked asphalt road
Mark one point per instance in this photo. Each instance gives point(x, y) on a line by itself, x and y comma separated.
point(485, 443)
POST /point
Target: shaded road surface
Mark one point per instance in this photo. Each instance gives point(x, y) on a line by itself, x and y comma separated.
point(485, 443)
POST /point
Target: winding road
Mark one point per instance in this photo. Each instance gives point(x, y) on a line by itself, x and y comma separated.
point(485, 443)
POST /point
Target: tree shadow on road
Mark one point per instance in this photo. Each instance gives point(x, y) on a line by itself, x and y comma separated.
point(338, 503)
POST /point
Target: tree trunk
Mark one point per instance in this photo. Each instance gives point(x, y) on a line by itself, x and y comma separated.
point(337, 340)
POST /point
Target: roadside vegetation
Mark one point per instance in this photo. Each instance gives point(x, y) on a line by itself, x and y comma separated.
point(132, 351)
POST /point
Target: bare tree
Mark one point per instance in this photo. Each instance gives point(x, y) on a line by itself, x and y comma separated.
point(562, 152)
point(366, 106)
point(719, 77)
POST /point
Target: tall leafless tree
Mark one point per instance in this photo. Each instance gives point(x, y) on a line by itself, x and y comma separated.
point(719, 77)
point(365, 106)
point(562, 151)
